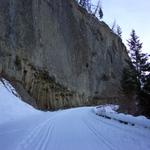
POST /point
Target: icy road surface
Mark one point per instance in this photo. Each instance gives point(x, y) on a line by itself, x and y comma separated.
point(72, 129)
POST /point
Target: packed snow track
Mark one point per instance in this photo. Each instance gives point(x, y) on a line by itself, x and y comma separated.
point(72, 129)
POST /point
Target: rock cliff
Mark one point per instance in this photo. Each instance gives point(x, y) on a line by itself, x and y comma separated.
point(57, 55)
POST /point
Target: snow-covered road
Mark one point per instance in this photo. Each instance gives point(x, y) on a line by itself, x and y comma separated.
point(24, 128)
point(72, 129)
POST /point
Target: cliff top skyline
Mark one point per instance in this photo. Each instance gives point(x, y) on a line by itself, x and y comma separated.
point(129, 15)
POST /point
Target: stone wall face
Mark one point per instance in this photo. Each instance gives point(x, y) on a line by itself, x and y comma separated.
point(58, 54)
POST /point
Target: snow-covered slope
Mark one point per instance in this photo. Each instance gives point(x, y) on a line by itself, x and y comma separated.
point(11, 107)
point(24, 128)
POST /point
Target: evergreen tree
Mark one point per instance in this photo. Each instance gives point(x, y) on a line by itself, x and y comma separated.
point(100, 13)
point(130, 84)
point(130, 87)
point(139, 59)
point(97, 7)
point(86, 4)
point(146, 87)
point(142, 68)
point(113, 28)
point(145, 97)
point(119, 31)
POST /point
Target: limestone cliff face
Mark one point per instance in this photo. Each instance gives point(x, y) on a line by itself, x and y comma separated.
point(57, 55)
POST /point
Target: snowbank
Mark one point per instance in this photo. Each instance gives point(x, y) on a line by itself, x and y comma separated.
point(109, 111)
point(11, 107)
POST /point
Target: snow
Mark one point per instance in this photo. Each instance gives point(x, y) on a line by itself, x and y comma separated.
point(24, 128)
point(110, 111)
point(106, 109)
point(11, 107)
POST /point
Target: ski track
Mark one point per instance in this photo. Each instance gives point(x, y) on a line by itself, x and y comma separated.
point(39, 137)
point(79, 129)
point(99, 136)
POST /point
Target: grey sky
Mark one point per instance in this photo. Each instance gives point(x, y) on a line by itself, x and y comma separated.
point(129, 14)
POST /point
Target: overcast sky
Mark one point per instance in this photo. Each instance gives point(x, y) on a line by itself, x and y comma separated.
point(129, 14)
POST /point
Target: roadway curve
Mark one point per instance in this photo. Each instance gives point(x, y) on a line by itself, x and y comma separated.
point(72, 129)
